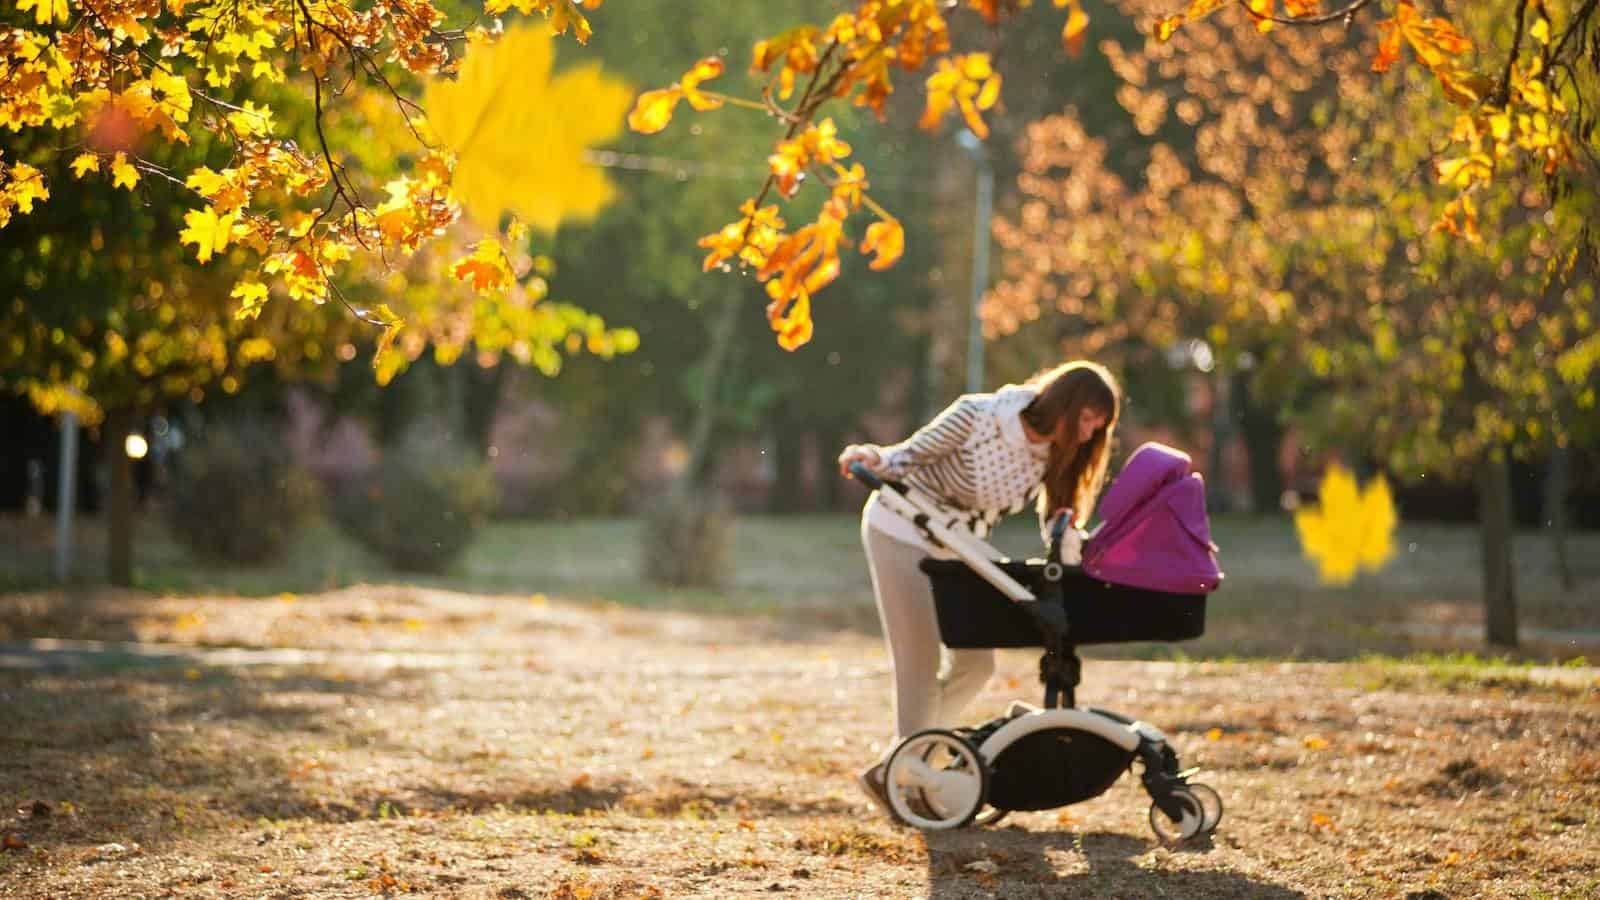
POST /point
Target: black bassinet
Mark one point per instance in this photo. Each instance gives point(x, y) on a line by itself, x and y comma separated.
point(973, 614)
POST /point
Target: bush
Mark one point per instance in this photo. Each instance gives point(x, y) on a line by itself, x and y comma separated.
point(688, 540)
point(238, 497)
point(420, 507)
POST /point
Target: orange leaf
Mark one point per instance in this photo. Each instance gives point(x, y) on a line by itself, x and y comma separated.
point(794, 328)
point(888, 238)
point(1199, 9)
point(704, 70)
point(1261, 11)
point(1072, 33)
point(990, 9)
point(1298, 8)
point(654, 109)
point(1166, 26)
point(1388, 43)
point(486, 268)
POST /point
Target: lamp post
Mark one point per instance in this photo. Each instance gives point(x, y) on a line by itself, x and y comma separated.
point(66, 503)
point(975, 148)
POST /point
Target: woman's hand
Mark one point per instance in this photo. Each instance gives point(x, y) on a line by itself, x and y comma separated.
point(859, 453)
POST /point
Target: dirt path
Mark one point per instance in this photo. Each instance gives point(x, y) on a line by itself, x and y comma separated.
point(454, 745)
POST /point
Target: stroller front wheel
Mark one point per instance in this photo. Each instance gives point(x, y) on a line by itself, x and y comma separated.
point(1210, 805)
point(1189, 823)
point(936, 780)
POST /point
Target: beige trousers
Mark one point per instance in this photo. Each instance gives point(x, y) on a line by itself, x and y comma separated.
point(932, 683)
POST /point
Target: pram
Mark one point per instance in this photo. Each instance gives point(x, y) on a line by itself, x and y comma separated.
point(1037, 758)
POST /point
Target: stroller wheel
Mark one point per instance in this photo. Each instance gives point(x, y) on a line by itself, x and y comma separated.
point(936, 780)
point(1210, 805)
point(1186, 826)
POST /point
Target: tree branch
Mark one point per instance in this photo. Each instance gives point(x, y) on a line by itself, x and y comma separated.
point(1324, 19)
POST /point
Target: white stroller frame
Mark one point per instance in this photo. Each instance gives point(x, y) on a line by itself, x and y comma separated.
point(939, 779)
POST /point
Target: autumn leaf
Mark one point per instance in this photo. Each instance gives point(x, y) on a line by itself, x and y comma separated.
point(704, 70)
point(1433, 39)
point(1300, 8)
point(84, 163)
point(486, 268)
point(1261, 11)
point(520, 134)
point(653, 110)
point(965, 81)
point(252, 295)
point(1351, 529)
point(563, 15)
point(26, 185)
point(123, 174)
point(208, 231)
point(888, 239)
point(1077, 23)
point(45, 11)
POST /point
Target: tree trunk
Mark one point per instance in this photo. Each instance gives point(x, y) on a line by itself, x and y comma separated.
point(1220, 499)
point(1263, 440)
point(830, 440)
point(480, 402)
point(700, 467)
point(1495, 529)
point(119, 505)
point(1555, 512)
point(789, 446)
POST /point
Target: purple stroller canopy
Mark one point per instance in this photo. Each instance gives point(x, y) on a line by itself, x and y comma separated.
point(1154, 533)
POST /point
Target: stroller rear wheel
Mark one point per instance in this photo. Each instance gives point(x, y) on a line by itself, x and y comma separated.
point(936, 780)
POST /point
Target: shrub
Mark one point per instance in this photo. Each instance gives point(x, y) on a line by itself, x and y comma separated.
point(237, 496)
point(420, 506)
point(688, 540)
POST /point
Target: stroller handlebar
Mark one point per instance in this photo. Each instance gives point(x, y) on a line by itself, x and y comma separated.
point(866, 476)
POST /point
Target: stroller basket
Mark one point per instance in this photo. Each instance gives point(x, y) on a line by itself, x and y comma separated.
point(973, 614)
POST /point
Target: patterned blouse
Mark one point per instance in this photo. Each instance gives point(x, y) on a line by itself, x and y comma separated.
point(975, 455)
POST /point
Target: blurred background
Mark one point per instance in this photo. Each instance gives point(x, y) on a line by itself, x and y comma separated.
point(698, 469)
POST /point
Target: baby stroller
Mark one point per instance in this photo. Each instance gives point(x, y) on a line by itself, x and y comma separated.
point(1144, 576)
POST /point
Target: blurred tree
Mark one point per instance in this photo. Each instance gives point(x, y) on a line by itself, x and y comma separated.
point(1297, 231)
point(103, 316)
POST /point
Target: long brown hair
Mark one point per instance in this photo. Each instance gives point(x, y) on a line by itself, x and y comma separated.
point(1075, 472)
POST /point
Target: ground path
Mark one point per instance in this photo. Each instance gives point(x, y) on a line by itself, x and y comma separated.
point(442, 744)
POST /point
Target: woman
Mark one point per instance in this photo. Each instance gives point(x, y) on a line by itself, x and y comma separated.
point(990, 454)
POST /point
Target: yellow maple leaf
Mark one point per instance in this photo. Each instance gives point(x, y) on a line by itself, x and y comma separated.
point(252, 295)
point(486, 268)
point(123, 174)
point(1350, 529)
point(208, 231)
point(85, 163)
point(520, 133)
point(44, 11)
point(26, 185)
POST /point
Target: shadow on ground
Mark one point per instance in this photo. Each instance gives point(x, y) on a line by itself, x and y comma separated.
point(1013, 862)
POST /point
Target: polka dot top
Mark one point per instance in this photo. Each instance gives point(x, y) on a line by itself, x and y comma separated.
point(975, 455)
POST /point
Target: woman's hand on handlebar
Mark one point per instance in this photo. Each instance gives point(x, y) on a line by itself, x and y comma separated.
point(861, 453)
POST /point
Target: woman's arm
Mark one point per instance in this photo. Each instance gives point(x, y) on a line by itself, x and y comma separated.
point(941, 437)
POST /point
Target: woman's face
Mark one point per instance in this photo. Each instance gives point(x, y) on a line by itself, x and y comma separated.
point(1090, 421)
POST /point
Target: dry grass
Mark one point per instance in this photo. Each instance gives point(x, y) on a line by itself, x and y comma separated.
point(464, 745)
